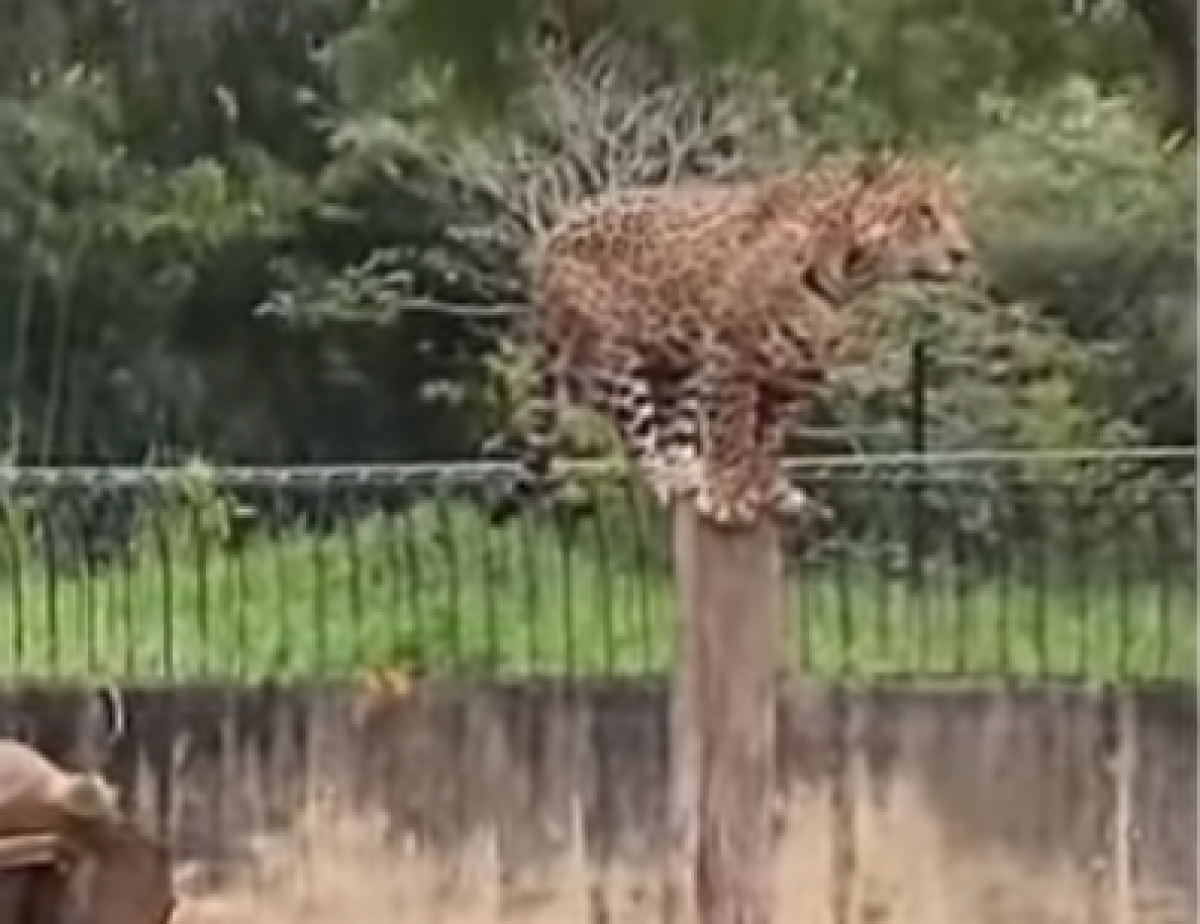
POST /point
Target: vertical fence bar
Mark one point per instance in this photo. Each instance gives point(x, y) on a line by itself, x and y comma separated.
point(1036, 569)
point(916, 500)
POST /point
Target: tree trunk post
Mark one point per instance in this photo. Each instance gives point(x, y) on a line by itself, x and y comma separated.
point(729, 591)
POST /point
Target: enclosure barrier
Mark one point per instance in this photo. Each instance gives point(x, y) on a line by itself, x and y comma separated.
point(1066, 567)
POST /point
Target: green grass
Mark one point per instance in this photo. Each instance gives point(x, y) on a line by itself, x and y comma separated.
point(439, 589)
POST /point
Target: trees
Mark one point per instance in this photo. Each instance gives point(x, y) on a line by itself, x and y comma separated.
point(1171, 28)
point(233, 271)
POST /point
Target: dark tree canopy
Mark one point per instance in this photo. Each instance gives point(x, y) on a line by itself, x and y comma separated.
point(223, 226)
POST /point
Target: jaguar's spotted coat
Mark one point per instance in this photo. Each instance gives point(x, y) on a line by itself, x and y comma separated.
point(699, 317)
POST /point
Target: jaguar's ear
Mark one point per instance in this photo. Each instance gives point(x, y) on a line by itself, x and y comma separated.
point(857, 257)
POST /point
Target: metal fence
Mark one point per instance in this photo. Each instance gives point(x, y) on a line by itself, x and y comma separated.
point(1073, 567)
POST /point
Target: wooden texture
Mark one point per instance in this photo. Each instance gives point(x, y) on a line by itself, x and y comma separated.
point(729, 586)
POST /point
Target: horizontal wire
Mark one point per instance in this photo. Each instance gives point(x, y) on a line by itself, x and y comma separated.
point(469, 472)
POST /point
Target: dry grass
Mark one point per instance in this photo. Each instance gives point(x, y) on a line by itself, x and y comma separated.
point(330, 870)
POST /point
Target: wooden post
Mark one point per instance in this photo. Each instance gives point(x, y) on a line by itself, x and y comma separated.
point(729, 586)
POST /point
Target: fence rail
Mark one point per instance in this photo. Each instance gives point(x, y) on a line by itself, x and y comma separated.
point(1068, 566)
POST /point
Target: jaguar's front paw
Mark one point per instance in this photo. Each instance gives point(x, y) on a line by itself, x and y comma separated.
point(727, 512)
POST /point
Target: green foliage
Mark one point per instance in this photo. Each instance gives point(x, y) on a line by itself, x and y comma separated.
point(1075, 161)
point(469, 48)
point(1092, 221)
point(862, 68)
point(436, 589)
point(189, 517)
point(997, 374)
point(214, 227)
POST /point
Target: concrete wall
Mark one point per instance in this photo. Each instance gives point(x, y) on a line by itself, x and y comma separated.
point(996, 792)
